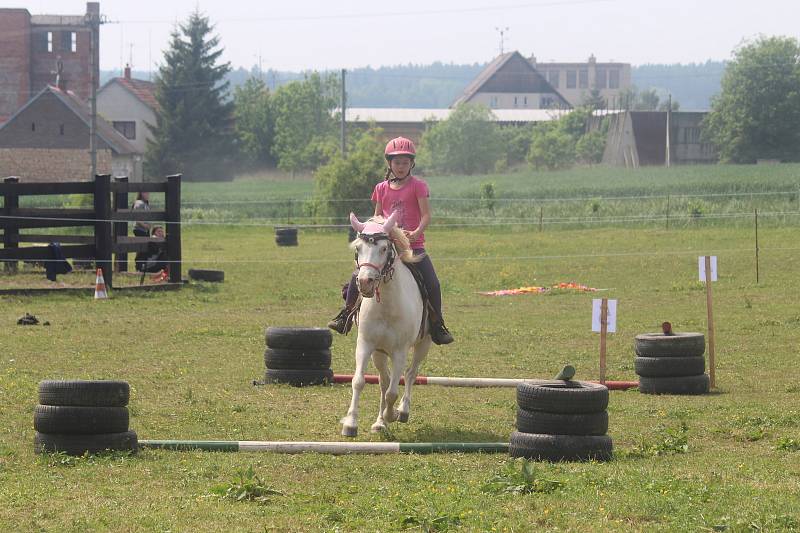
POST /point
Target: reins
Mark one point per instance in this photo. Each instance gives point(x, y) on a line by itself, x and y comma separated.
point(386, 273)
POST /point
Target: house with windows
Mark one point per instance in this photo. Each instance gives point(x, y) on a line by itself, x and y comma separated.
point(575, 81)
point(511, 82)
point(129, 105)
point(47, 139)
point(36, 49)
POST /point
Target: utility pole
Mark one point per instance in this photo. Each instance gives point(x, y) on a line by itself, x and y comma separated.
point(344, 110)
point(93, 20)
point(667, 158)
point(502, 34)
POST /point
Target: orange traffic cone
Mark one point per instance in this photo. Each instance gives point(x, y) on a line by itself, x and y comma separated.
point(100, 292)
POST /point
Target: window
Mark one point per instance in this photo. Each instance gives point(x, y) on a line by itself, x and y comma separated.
point(493, 102)
point(69, 41)
point(61, 129)
point(571, 79)
point(601, 79)
point(552, 77)
point(525, 101)
point(613, 79)
point(583, 79)
point(49, 41)
point(545, 102)
point(127, 129)
point(516, 100)
point(33, 126)
point(44, 41)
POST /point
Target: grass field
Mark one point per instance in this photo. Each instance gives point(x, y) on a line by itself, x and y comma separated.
point(726, 461)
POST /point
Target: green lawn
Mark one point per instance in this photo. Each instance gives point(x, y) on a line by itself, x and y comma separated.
point(190, 357)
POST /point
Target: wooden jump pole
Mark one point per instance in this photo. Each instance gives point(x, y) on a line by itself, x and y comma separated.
point(603, 334)
point(710, 309)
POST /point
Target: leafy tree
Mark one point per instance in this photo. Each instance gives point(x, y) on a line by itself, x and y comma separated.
point(551, 148)
point(466, 142)
point(305, 126)
point(647, 100)
point(255, 123)
point(516, 142)
point(594, 100)
point(191, 134)
point(757, 114)
point(589, 148)
point(353, 176)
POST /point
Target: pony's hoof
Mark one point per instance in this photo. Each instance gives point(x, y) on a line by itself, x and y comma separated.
point(402, 417)
point(378, 428)
point(349, 431)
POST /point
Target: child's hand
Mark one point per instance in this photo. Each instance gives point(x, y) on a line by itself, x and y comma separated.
point(412, 235)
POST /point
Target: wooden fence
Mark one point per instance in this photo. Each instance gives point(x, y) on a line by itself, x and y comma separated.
point(109, 218)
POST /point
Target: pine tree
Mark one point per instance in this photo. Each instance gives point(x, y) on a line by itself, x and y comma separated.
point(192, 132)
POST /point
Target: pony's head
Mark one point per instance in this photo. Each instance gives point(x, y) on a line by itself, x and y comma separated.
point(379, 242)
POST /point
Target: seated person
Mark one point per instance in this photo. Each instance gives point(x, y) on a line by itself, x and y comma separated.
point(154, 259)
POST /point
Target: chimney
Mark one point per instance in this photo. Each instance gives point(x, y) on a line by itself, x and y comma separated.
point(127, 72)
point(93, 8)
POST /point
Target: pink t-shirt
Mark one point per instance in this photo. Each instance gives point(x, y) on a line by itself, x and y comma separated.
point(406, 200)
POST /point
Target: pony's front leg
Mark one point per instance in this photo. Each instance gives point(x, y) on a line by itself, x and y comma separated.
point(350, 421)
point(398, 362)
point(381, 363)
point(420, 352)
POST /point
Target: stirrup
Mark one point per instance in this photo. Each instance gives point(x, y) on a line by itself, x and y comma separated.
point(440, 334)
point(343, 322)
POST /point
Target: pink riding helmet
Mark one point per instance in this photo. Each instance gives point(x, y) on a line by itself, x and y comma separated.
point(400, 146)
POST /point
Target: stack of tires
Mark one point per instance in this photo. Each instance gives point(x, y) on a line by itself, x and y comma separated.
point(76, 417)
point(562, 421)
point(671, 363)
point(298, 356)
point(286, 236)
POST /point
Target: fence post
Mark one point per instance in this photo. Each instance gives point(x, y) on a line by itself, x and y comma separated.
point(667, 212)
point(541, 215)
point(173, 208)
point(102, 227)
point(121, 228)
point(11, 231)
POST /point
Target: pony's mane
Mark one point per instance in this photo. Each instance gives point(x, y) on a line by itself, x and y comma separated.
point(401, 242)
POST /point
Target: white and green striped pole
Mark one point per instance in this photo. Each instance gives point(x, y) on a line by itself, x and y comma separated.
point(332, 448)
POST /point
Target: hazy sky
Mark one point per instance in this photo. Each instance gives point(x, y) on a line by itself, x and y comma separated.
point(316, 34)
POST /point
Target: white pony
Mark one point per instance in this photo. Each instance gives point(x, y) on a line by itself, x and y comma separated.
point(390, 322)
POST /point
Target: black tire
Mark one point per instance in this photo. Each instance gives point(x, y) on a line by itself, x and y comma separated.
point(674, 385)
point(286, 241)
point(562, 424)
point(71, 420)
point(80, 444)
point(86, 393)
point(561, 447)
point(283, 359)
point(299, 378)
point(214, 276)
point(676, 345)
point(567, 397)
point(656, 367)
point(286, 232)
point(292, 338)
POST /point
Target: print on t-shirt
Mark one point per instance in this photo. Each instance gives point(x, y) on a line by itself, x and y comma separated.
point(399, 206)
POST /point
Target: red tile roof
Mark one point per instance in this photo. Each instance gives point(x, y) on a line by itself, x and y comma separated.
point(141, 89)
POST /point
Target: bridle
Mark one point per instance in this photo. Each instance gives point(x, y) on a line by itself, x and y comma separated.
point(385, 273)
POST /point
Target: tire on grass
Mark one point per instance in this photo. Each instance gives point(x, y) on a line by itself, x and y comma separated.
point(561, 447)
point(214, 276)
point(80, 444)
point(675, 345)
point(670, 366)
point(87, 393)
point(299, 378)
point(294, 338)
point(286, 240)
point(674, 385)
point(562, 424)
point(566, 397)
point(73, 420)
point(285, 232)
point(284, 359)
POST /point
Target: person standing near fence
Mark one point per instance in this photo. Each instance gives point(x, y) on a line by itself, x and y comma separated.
point(142, 229)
